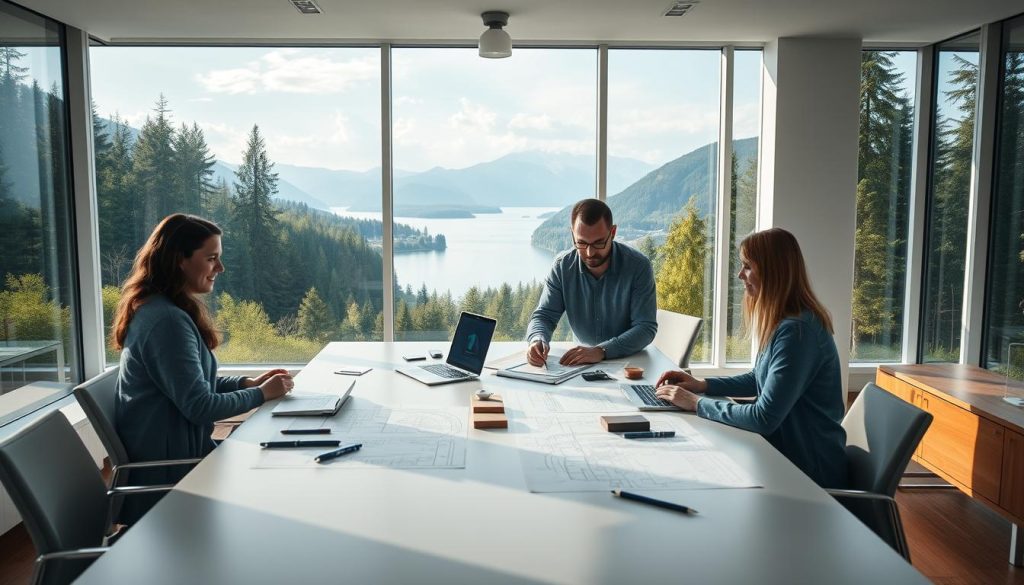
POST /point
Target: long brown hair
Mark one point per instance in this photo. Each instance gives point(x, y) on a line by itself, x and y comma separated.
point(157, 270)
point(785, 289)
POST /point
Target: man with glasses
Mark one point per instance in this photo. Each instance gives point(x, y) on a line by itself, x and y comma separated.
point(606, 289)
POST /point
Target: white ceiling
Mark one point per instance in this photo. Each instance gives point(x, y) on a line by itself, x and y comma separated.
point(623, 21)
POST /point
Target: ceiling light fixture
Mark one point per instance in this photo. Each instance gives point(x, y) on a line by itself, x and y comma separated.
point(495, 42)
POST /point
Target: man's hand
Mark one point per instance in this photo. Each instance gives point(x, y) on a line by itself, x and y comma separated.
point(537, 353)
point(582, 355)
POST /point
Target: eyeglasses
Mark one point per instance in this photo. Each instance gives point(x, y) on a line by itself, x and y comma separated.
point(595, 245)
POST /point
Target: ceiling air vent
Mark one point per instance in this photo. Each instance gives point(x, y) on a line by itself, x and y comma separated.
point(679, 8)
point(306, 6)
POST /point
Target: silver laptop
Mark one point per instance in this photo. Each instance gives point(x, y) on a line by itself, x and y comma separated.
point(642, 396)
point(465, 356)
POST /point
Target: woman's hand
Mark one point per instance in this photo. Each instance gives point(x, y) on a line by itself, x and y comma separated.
point(679, 396)
point(683, 380)
point(259, 380)
point(276, 386)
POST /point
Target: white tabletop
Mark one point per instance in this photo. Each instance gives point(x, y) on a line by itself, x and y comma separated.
point(227, 522)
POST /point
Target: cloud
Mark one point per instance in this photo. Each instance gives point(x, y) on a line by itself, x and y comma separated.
point(292, 71)
point(472, 117)
point(530, 122)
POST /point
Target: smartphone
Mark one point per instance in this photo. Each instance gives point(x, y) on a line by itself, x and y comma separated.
point(414, 357)
point(435, 353)
point(316, 431)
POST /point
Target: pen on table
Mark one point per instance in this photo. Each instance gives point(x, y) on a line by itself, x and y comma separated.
point(659, 503)
point(648, 434)
point(283, 444)
point(337, 453)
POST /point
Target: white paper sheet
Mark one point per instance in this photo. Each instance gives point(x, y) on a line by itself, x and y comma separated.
point(571, 453)
point(603, 398)
point(419, 438)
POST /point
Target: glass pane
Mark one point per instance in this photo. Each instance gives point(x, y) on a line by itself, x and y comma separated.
point(487, 155)
point(184, 129)
point(663, 124)
point(746, 131)
point(884, 165)
point(1004, 306)
point(948, 198)
point(38, 338)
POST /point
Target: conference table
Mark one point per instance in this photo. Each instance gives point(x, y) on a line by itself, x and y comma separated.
point(230, 521)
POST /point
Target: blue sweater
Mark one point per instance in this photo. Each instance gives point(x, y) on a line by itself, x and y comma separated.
point(169, 394)
point(799, 405)
point(617, 312)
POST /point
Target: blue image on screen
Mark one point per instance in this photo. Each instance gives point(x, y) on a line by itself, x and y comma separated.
point(469, 346)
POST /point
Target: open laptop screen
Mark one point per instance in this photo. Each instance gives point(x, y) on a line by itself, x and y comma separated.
point(469, 346)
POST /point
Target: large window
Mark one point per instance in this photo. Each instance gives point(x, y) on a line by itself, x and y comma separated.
point(38, 330)
point(949, 197)
point(883, 192)
point(663, 126)
point(746, 130)
point(1004, 315)
point(265, 142)
point(488, 154)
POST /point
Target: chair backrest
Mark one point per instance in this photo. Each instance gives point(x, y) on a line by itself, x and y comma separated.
point(97, 397)
point(677, 336)
point(882, 432)
point(56, 487)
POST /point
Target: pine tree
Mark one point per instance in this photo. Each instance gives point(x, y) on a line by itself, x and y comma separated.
point(153, 175)
point(255, 224)
point(315, 321)
point(680, 282)
point(120, 219)
point(9, 56)
point(193, 168)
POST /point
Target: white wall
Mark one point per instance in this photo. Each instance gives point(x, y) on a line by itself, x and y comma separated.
point(809, 162)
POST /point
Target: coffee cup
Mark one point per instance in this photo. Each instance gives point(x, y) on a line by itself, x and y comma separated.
point(633, 372)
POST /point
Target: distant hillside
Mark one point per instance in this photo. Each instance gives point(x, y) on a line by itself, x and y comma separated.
point(651, 203)
point(521, 179)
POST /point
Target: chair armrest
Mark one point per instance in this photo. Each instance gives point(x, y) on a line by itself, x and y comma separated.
point(77, 554)
point(858, 495)
point(129, 490)
point(148, 464)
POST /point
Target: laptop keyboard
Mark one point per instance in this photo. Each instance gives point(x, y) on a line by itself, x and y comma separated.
point(445, 371)
point(646, 393)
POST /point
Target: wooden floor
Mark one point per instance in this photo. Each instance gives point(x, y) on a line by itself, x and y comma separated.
point(953, 541)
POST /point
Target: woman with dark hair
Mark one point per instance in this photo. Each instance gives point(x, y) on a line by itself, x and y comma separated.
point(168, 391)
point(796, 378)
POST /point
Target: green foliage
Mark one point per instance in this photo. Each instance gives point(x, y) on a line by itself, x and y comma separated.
point(315, 319)
point(28, 312)
point(684, 254)
point(883, 193)
point(251, 338)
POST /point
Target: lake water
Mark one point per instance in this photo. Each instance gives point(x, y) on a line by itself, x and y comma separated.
point(483, 251)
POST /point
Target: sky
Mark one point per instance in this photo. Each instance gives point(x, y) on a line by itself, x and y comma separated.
point(321, 106)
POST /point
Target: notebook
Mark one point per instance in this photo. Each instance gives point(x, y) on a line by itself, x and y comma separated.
point(465, 356)
point(312, 404)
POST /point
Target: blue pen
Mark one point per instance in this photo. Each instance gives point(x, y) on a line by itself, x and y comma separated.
point(288, 444)
point(338, 452)
point(649, 434)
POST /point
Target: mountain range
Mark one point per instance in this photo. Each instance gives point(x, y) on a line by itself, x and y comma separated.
point(520, 179)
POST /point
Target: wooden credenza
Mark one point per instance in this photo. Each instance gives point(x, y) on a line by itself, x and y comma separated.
point(976, 440)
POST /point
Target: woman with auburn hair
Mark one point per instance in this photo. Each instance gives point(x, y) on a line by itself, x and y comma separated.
point(168, 391)
point(796, 377)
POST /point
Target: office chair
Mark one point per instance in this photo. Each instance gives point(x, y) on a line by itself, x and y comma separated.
point(882, 432)
point(60, 495)
point(677, 336)
point(97, 397)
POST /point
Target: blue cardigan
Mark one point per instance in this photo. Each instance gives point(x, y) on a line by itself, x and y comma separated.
point(169, 394)
point(799, 406)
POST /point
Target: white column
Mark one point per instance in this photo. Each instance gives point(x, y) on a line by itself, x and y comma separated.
point(387, 195)
point(809, 162)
